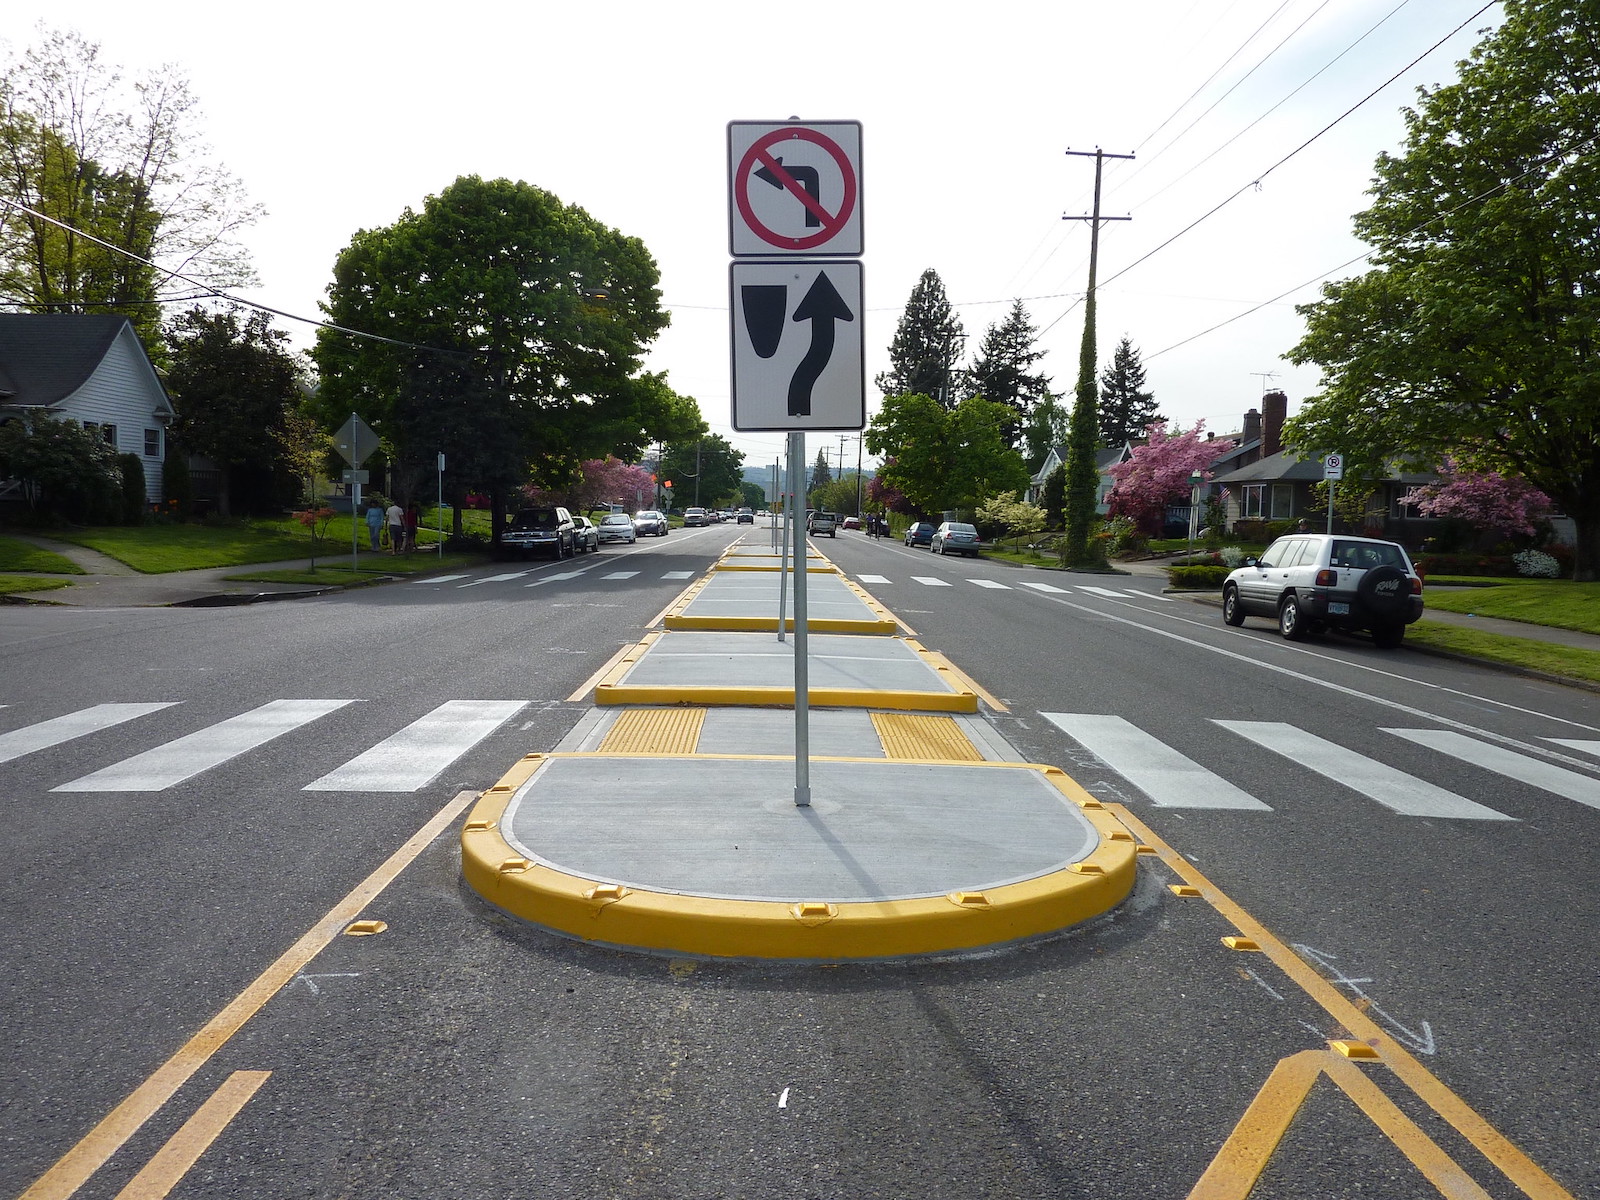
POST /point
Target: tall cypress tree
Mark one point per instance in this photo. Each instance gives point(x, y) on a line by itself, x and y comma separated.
point(1126, 409)
point(927, 345)
point(1083, 476)
point(1000, 373)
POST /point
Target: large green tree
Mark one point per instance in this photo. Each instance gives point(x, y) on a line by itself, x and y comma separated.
point(1126, 409)
point(944, 460)
point(527, 321)
point(927, 346)
point(1474, 333)
point(90, 157)
point(1002, 371)
point(704, 471)
point(233, 380)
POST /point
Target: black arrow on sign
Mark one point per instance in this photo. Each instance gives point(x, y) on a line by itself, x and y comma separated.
point(822, 306)
point(809, 180)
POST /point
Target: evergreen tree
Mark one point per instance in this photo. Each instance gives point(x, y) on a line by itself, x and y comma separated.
point(1083, 475)
point(927, 345)
point(1000, 373)
point(1126, 409)
point(819, 473)
point(1046, 428)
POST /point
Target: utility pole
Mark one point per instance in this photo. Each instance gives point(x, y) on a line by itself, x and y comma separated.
point(1083, 479)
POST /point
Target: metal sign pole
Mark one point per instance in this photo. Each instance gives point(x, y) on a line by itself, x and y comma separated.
point(355, 521)
point(802, 680)
point(780, 527)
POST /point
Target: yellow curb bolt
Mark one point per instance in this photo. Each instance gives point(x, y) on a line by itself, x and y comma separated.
point(1354, 1049)
point(1240, 943)
point(365, 928)
point(1183, 889)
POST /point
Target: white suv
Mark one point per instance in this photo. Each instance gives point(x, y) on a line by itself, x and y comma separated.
point(1315, 581)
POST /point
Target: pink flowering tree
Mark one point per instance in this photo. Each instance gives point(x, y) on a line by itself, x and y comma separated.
point(600, 483)
point(1158, 473)
point(1486, 500)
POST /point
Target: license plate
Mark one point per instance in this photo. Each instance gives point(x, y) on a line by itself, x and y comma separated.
point(1337, 609)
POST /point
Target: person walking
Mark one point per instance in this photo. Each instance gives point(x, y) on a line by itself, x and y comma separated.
point(413, 519)
point(374, 522)
point(396, 518)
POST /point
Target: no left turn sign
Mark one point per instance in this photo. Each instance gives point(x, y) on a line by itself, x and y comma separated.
point(794, 189)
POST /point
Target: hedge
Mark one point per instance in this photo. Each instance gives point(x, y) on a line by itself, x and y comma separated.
point(1198, 578)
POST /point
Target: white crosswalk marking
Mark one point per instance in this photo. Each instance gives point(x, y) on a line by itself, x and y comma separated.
point(1149, 596)
point(929, 581)
point(620, 575)
point(1157, 770)
point(207, 748)
point(1394, 789)
point(74, 725)
point(413, 757)
point(1582, 745)
point(678, 575)
point(494, 578)
point(874, 579)
point(991, 583)
point(439, 579)
point(1545, 776)
point(1099, 591)
point(1042, 587)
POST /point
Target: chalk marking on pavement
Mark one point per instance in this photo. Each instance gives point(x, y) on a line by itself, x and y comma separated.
point(311, 980)
point(783, 1099)
point(44, 734)
point(1422, 1042)
point(97, 1146)
point(1490, 1142)
point(184, 1148)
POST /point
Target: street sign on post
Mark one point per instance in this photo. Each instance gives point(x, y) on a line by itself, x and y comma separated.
point(794, 188)
point(798, 353)
point(1333, 467)
point(355, 441)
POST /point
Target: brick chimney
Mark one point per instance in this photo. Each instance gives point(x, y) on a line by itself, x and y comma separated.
point(1274, 411)
point(1252, 428)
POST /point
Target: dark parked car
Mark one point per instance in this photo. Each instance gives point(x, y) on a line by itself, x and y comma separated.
point(650, 521)
point(1315, 581)
point(544, 530)
point(585, 537)
point(920, 533)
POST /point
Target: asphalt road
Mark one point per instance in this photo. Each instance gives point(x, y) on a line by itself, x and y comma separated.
point(457, 1053)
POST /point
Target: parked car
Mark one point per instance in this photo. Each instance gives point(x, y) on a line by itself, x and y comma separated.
point(585, 537)
point(746, 517)
point(819, 523)
point(852, 522)
point(650, 521)
point(920, 533)
point(1315, 581)
point(693, 518)
point(954, 537)
point(617, 527)
point(547, 529)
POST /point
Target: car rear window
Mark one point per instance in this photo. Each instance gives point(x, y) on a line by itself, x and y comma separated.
point(1366, 555)
point(535, 519)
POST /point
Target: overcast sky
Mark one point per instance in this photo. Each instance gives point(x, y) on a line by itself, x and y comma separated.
point(337, 115)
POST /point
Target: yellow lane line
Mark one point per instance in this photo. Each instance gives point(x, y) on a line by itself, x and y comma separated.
point(1490, 1142)
point(172, 1162)
point(105, 1139)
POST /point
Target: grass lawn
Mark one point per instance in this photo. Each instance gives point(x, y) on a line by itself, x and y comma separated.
point(21, 556)
point(11, 584)
point(1566, 661)
point(1557, 602)
point(335, 569)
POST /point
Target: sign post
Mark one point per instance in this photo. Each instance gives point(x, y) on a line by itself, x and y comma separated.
point(798, 357)
point(355, 443)
point(1332, 471)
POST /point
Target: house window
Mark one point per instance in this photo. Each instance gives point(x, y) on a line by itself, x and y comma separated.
point(1251, 502)
point(108, 435)
point(152, 443)
point(1282, 500)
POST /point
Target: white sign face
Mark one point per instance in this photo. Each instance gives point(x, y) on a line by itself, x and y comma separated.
point(1333, 467)
point(799, 361)
point(794, 188)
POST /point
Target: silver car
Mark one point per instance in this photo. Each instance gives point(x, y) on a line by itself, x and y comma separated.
point(617, 527)
point(1310, 582)
point(955, 537)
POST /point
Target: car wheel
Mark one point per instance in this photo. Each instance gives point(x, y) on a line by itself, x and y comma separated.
point(1232, 610)
point(1291, 622)
point(1388, 637)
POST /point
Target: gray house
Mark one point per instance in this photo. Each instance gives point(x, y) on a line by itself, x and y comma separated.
point(1104, 460)
point(88, 369)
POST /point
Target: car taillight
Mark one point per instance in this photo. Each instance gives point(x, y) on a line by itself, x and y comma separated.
point(1327, 577)
point(1416, 585)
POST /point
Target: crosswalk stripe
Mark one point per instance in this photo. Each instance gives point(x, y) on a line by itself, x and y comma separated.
point(928, 581)
point(53, 732)
point(1545, 776)
point(1168, 778)
point(1099, 591)
point(495, 578)
point(1394, 789)
point(202, 750)
point(1583, 745)
point(991, 583)
point(439, 579)
point(678, 575)
point(620, 575)
point(874, 579)
point(1042, 587)
point(413, 757)
point(1149, 596)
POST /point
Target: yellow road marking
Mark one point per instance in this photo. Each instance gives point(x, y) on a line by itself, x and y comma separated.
point(172, 1162)
point(590, 683)
point(1490, 1142)
point(105, 1139)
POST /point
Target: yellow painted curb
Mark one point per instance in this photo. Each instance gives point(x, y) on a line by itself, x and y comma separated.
point(611, 694)
point(874, 628)
point(617, 914)
point(812, 568)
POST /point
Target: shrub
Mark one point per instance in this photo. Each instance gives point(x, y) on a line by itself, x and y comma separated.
point(131, 468)
point(176, 486)
point(1122, 537)
point(1202, 578)
point(1536, 564)
point(1465, 564)
point(1232, 556)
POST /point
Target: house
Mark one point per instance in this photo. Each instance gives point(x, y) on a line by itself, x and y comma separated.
point(92, 370)
point(1104, 460)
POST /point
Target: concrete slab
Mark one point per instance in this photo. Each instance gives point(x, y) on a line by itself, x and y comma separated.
point(749, 600)
point(831, 732)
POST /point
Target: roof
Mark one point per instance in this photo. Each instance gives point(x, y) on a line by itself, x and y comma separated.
point(1283, 466)
point(44, 358)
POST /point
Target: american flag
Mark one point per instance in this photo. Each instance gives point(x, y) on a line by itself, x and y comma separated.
point(1223, 495)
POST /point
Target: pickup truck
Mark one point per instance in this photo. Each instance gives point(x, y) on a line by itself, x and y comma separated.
point(823, 523)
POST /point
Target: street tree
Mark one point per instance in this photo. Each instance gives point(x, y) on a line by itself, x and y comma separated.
point(941, 460)
point(524, 322)
point(1159, 473)
point(1126, 409)
point(1047, 427)
point(703, 470)
point(1485, 500)
point(84, 154)
point(233, 380)
point(820, 474)
point(927, 346)
point(1473, 334)
point(1002, 370)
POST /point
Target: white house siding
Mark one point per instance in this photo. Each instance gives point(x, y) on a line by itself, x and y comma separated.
point(123, 391)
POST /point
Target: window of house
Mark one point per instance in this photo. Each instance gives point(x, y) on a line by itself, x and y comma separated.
point(108, 434)
point(152, 443)
point(1250, 505)
point(1282, 500)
